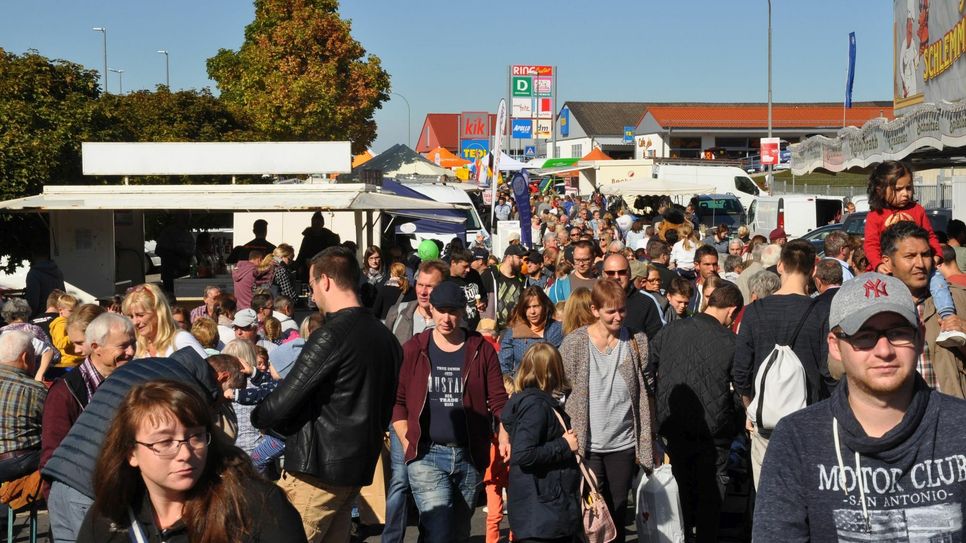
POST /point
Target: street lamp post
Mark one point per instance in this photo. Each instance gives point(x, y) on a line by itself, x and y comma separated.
point(120, 79)
point(103, 30)
point(771, 167)
point(167, 69)
point(409, 120)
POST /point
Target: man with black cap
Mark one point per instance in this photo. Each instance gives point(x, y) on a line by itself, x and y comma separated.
point(450, 388)
point(537, 274)
point(882, 459)
point(504, 285)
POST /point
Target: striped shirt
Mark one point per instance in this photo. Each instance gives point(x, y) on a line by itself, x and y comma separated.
point(21, 410)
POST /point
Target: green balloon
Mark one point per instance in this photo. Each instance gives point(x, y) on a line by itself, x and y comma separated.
point(428, 250)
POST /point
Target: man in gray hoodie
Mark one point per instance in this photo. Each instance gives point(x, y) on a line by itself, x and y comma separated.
point(883, 459)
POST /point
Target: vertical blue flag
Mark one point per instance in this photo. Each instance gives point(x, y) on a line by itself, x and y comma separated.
point(851, 79)
point(520, 184)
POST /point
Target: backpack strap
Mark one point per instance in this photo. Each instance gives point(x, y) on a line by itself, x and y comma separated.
point(801, 323)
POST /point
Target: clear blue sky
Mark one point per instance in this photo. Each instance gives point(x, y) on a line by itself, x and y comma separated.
point(448, 56)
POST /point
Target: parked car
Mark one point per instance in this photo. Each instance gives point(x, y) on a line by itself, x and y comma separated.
point(939, 218)
point(817, 237)
point(714, 209)
point(797, 214)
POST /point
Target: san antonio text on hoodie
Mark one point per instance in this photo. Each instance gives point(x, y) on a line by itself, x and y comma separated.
point(824, 479)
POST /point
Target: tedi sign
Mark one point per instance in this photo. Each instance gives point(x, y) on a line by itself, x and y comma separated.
point(474, 125)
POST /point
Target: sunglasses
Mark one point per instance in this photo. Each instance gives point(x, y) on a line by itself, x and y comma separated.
point(863, 340)
point(616, 273)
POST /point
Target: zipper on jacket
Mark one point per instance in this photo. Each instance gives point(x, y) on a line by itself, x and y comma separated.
point(469, 447)
point(429, 378)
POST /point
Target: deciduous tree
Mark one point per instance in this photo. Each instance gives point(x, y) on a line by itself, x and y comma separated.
point(300, 75)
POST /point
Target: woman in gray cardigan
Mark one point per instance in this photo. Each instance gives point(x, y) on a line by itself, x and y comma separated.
point(609, 406)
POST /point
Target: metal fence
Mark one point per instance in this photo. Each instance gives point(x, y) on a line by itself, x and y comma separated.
point(930, 195)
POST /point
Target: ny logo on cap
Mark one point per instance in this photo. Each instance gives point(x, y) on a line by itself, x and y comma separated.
point(877, 288)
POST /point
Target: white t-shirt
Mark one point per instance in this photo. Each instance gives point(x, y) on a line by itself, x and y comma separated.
point(184, 339)
point(683, 257)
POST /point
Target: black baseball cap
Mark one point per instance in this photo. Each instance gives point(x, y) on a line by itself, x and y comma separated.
point(515, 249)
point(448, 295)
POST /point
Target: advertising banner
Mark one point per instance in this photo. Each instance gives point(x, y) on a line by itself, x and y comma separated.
point(629, 134)
point(474, 149)
point(545, 105)
point(522, 69)
point(522, 86)
point(929, 125)
point(851, 78)
point(543, 86)
point(929, 52)
point(769, 151)
point(522, 108)
point(497, 153)
point(521, 129)
point(473, 125)
point(565, 122)
point(544, 129)
point(521, 193)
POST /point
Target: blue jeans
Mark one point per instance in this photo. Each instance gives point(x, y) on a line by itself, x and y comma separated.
point(445, 486)
point(941, 296)
point(267, 450)
point(397, 495)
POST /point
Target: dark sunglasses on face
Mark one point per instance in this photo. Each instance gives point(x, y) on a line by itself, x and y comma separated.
point(863, 340)
point(616, 273)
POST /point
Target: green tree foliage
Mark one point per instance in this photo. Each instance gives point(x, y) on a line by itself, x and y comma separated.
point(299, 75)
point(47, 108)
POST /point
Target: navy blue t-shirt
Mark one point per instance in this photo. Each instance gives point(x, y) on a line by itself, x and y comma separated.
point(447, 420)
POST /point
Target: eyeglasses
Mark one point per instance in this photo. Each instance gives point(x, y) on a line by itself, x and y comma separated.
point(653, 279)
point(616, 273)
point(583, 259)
point(169, 448)
point(863, 340)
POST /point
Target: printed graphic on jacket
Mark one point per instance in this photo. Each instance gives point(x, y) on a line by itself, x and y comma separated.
point(922, 504)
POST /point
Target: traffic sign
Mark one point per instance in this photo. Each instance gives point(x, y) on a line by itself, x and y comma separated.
point(530, 151)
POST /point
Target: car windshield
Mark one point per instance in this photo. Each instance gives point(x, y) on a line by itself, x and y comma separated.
point(719, 206)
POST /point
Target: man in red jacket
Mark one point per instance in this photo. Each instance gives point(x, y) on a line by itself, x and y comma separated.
point(450, 390)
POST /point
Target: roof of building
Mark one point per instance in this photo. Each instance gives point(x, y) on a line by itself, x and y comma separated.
point(755, 115)
point(606, 118)
point(444, 131)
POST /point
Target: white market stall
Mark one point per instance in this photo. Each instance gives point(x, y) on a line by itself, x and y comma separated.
point(97, 231)
point(679, 191)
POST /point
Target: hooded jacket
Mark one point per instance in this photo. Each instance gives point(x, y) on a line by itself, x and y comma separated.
point(483, 394)
point(73, 461)
point(43, 277)
point(912, 482)
point(544, 480)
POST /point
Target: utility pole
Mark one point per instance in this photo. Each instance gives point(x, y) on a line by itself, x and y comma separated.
point(103, 30)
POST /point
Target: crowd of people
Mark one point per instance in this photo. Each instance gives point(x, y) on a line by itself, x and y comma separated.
point(617, 342)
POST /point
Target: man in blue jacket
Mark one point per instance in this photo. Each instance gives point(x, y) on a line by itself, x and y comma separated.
point(883, 458)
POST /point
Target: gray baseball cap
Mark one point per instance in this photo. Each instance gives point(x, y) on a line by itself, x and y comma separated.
point(868, 295)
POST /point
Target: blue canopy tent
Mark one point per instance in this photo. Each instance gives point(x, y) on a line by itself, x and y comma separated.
point(439, 221)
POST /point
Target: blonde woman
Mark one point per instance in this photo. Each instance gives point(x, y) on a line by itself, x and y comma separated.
point(392, 291)
point(281, 261)
point(682, 253)
point(154, 325)
point(577, 311)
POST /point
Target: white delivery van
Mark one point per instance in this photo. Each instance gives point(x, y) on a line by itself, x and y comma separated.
point(797, 214)
point(451, 194)
point(725, 179)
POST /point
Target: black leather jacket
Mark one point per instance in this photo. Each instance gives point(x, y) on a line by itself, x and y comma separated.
point(334, 405)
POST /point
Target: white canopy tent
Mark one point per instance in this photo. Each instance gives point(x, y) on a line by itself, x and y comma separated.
point(655, 187)
point(508, 163)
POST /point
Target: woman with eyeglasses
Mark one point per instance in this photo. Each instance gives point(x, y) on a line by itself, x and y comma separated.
point(157, 332)
point(532, 322)
point(164, 476)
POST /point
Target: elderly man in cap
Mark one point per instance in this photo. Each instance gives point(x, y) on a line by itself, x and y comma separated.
point(882, 459)
point(450, 388)
point(778, 236)
point(245, 326)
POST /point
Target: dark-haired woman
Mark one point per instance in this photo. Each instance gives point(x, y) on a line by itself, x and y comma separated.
point(164, 476)
point(373, 275)
point(532, 322)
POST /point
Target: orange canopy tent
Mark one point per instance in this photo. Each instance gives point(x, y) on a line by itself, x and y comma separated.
point(596, 154)
point(446, 158)
point(361, 158)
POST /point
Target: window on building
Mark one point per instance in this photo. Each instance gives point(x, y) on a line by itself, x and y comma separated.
point(685, 147)
point(576, 151)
